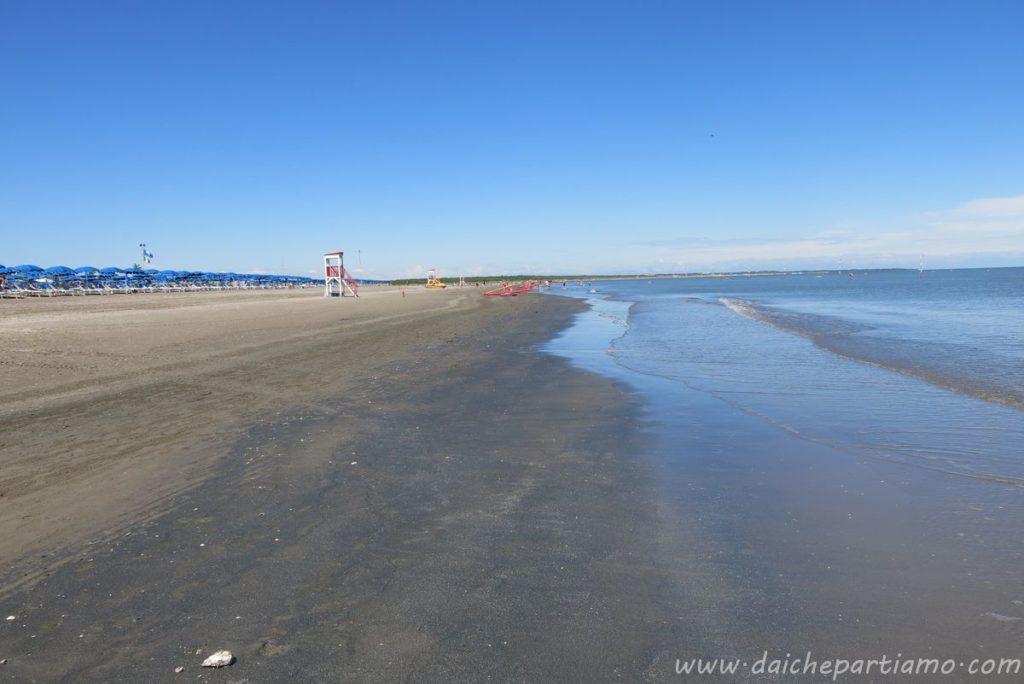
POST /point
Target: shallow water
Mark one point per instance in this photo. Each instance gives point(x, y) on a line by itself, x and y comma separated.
point(843, 455)
point(938, 377)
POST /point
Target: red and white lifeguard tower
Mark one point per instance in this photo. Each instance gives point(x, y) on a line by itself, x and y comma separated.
point(337, 281)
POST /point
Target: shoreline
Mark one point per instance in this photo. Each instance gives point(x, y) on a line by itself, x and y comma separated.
point(466, 507)
point(808, 543)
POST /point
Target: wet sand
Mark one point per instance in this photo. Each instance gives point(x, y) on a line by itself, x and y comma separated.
point(383, 490)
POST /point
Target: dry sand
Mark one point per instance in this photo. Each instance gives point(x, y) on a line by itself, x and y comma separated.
point(110, 405)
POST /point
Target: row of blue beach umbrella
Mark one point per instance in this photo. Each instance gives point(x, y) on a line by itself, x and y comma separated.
point(32, 277)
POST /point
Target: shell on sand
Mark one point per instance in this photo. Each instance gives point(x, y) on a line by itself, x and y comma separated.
point(219, 659)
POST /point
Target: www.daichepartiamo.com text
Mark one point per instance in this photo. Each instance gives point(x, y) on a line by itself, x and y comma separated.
point(834, 668)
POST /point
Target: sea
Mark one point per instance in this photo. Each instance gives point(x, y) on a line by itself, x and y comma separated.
point(840, 454)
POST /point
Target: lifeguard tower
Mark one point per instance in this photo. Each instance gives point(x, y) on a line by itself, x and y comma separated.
point(337, 281)
point(433, 282)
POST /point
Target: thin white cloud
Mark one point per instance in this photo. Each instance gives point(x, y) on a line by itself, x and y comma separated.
point(992, 207)
point(986, 227)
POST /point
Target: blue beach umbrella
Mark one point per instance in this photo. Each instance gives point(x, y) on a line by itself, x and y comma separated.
point(133, 273)
point(111, 276)
point(85, 273)
point(26, 268)
point(59, 274)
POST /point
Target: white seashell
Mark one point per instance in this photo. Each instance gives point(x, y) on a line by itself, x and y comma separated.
point(219, 659)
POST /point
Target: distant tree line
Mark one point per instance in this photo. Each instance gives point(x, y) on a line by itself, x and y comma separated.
point(506, 278)
point(625, 276)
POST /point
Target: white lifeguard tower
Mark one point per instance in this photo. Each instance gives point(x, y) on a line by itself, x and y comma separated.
point(337, 281)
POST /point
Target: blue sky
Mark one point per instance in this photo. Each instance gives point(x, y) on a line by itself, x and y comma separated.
point(485, 137)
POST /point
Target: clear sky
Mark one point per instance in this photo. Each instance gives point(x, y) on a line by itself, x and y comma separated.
point(484, 137)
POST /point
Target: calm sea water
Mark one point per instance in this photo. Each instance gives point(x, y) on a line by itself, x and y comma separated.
point(840, 463)
point(924, 368)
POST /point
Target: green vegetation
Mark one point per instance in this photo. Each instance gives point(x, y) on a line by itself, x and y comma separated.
point(501, 279)
point(519, 278)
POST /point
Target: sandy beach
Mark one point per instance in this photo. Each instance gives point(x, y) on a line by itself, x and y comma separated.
point(378, 489)
point(111, 404)
point(445, 487)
